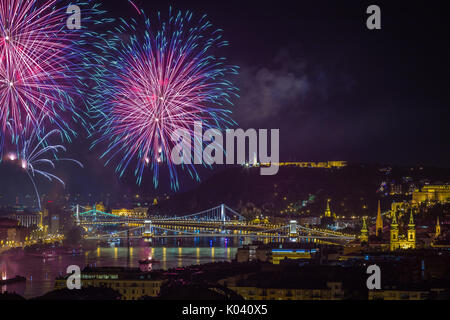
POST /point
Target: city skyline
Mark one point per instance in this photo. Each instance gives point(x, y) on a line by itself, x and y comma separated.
point(249, 153)
point(334, 102)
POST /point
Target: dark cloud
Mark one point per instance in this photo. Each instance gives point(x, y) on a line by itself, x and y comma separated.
point(267, 91)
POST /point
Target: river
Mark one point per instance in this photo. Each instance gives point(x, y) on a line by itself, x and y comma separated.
point(41, 273)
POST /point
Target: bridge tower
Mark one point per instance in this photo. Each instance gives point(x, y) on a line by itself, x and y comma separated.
point(293, 228)
point(222, 213)
point(77, 215)
point(95, 212)
point(147, 228)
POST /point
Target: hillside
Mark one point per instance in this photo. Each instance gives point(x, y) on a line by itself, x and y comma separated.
point(353, 190)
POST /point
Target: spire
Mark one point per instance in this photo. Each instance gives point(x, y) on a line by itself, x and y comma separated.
point(328, 211)
point(364, 231)
point(364, 227)
point(411, 224)
point(394, 223)
point(438, 228)
point(379, 223)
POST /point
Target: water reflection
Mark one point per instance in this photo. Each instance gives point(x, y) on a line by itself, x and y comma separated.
point(167, 254)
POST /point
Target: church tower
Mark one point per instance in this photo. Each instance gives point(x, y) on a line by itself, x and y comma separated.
point(412, 231)
point(394, 231)
point(327, 210)
point(364, 232)
point(438, 229)
point(379, 223)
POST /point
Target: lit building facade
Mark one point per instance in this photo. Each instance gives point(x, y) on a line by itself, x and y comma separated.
point(11, 233)
point(397, 241)
point(265, 253)
point(54, 224)
point(139, 212)
point(281, 254)
point(364, 237)
point(26, 220)
point(398, 295)
point(402, 241)
point(123, 212)
point(100, 207)
point(328, 213)
point(331, 291)
point(323, 165)
point(432, 193)
point(132, 284)
point(253, 253)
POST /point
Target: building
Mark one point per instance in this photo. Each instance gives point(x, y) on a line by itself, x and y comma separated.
point(132, 284)
point(276, 253)
point(398, 295)
point(11, 234)
point(140, 212)
point(328, 216)
point(402, 241)
point(26, 220)
point(432, 193)
point(253, 253)
point(327, 291)
point(440, 238)
point(379, 222)
point(309, 220)
point(396, 189)
point(328, 213)
point(100, 207)
point(364, 232)
point(397, 240)
point(97, 207)
point(401, 208)
point(122, 212)
point(418, 291)
point(323, 165)
point(54, 224)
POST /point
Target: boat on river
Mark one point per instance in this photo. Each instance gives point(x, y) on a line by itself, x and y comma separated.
point(16, 279)
point(48, 254)
point(149, 260)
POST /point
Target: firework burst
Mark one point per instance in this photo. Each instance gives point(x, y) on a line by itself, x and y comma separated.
point(40, 63)
point(156, 82)
point(36, 154)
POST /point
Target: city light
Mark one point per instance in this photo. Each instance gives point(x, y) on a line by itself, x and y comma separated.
point(172, 200)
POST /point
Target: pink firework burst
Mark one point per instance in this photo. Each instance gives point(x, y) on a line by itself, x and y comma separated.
point(36, 59)
point(158, 82)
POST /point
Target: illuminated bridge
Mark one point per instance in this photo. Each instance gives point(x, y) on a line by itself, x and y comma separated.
point(217, 215)
point(220, 221)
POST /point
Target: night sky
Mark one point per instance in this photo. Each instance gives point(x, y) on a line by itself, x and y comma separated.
point(336, 90)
